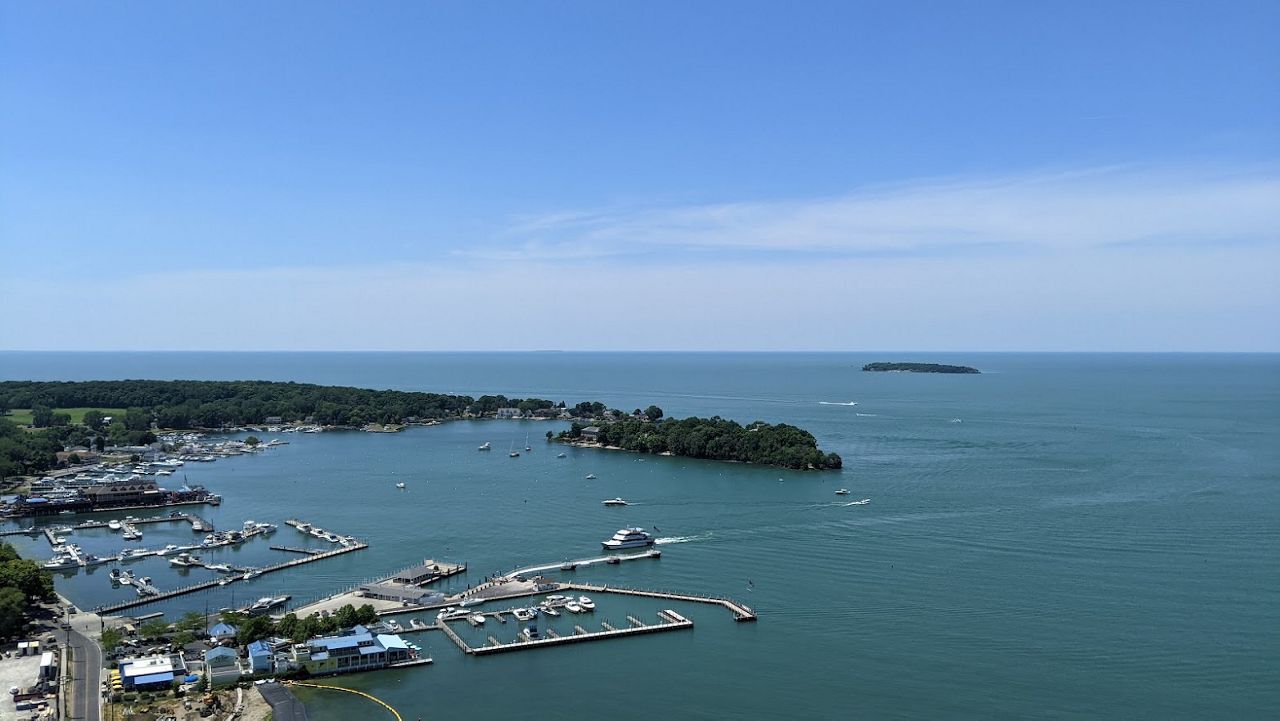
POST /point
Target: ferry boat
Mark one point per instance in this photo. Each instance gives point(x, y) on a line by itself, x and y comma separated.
point(628, 538)
point(485, 447)
point(842, 492)
point(615, 502)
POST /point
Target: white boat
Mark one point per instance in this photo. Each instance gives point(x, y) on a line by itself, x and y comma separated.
point(170, 548)
point(615, 502)
point(61, 562)
point(268, 602)
point(573, 607)
point(549, 610)
point(476, 619)
point(527, 447)
point(863, 502)
point(184, 560)
point(628, 538)
point(530, 633)
point(560, 455)
point(586, 603)
point(485, 447)
point(133, 554)
point(113, 525)
point(842, 492)
point(219, 567)
point(469, 602)
point(523, 614)
point(591, 476)
point(556, 598)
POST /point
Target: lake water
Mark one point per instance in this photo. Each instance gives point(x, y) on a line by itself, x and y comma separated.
point(1064, 536)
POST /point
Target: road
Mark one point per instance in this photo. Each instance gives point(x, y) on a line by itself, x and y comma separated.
point(86, 674)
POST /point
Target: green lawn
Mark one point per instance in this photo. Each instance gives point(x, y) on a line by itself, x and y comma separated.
point(22, 416)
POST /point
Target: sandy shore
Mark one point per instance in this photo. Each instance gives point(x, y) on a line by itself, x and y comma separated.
point(256, 707)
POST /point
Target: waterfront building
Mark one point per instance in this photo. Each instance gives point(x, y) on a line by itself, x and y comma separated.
point(351, 652)
point(591, 433)
point(222, 666)
point(262, 657)
point(410, 595)
point(151, 673)
point(220, 632)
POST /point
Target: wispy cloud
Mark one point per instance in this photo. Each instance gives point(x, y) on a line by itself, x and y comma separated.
point(1109, 206)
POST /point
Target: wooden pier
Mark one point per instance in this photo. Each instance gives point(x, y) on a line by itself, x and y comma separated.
point(166, 595)
point(741, 612)
point(580, 635)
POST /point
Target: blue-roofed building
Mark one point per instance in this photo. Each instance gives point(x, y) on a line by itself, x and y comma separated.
point(151, 673)
point(262, 659)
point(352, 652)
point(222, 665)
point(220, 632)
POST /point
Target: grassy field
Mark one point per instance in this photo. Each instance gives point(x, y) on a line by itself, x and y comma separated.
point(22, 416)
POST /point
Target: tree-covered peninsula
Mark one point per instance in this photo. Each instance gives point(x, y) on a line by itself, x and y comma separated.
point(713, 438)
point(918, 368)
point(130, 412)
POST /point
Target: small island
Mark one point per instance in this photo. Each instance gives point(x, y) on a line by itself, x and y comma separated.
point(918, 368)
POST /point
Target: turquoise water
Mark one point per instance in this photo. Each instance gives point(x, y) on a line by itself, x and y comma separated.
point(1097, 536)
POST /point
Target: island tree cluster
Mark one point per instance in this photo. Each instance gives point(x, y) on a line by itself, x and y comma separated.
point(714, 438)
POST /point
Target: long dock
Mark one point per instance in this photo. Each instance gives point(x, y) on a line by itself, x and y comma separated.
point(296, 549)
point(667, 624)
point(164, 596)
point(741, 612)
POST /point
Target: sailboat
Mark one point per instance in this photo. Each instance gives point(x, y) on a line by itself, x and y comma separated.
point(527, 447)
point(513, 453)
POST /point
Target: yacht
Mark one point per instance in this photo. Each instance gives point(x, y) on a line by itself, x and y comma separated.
point(170, 548)
point(842, 492)
point(133, 554)
point(468, 602)
point(61, 562)
point(615, 502)
point(184, 560)
point(485, 447)
point(113, 525)
point(586, 603)
point(523, 614)
point(628, 538)
point(268, 602)
point(573, 607)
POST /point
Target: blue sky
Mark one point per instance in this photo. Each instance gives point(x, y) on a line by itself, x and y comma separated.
point(658, 175)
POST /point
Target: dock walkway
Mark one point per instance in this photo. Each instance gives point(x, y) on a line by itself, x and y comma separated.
point(741, 612)
point(166, 595)
point(582, 635)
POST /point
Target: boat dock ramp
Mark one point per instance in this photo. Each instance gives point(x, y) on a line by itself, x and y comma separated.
point(741, 612)
point(205, 585)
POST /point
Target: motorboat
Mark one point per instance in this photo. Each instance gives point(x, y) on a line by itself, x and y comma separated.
point(573, 607)
point(863, 502)
point(586, 603)
point(469, 602)
point(219, 567)
point(268, 602)
point(628, 538)
point(400, 485)
point(184, 560)
point(113, 525)
point(613, 560)
point(842, 492)
point(476, 619)
point(523, 614)
point(591, 476)
point(568, 566)
point(615, 502)
point(250, 574)
point(485, 447)
point(560, 454)
point(557, 598)
point(170, 548)
point(530, 633)
point(549, 610)
point(133, 554)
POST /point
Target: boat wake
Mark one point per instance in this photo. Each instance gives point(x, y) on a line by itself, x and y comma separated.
point(866, 415)
point(863, 502)
point(683, 539)
point(833, 403)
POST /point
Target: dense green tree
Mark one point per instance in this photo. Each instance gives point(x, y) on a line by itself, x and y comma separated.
point(41, 416)
point(93, 420)
point(110, 638)
point(13, 606)
point(653, 413)
point(28, 577)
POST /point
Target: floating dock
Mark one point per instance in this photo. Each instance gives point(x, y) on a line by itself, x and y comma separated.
point(581, 635)
point(741, 612)
point(165, 595)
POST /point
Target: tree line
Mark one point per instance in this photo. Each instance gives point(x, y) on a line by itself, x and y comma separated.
point(22, 583)
point(715, 438)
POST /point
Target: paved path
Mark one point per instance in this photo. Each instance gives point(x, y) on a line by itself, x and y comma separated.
point(86, 676)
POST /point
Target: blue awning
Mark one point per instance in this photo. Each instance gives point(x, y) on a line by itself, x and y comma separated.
point(154, 678)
